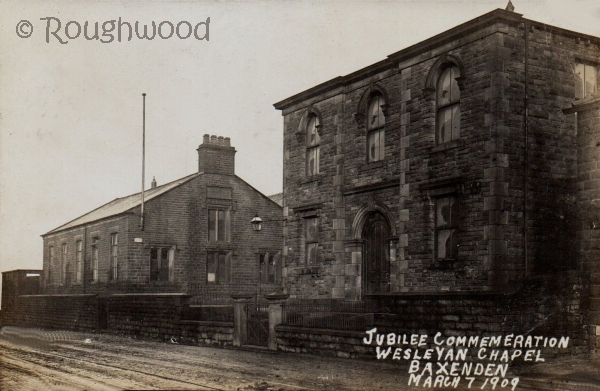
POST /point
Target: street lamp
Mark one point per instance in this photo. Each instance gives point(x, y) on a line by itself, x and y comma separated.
point(256, 223)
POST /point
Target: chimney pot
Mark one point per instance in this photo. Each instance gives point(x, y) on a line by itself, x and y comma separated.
point(216, 155)
point(153, 184)
point(206, 139)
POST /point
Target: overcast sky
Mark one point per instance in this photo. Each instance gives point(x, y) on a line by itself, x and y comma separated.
point(71, 114)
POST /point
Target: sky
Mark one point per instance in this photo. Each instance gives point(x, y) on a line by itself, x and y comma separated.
point(71, 114)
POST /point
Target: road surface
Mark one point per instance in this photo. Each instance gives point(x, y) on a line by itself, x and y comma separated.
point(55, 360)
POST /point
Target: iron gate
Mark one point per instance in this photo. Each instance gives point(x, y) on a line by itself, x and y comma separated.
point(257, 316)
point(102, 313)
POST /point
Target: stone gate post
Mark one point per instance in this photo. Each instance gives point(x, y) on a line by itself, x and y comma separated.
point(276, 302)
point(240, 335)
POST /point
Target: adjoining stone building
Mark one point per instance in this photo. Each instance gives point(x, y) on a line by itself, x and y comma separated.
point(196, 238)
point(446, 172)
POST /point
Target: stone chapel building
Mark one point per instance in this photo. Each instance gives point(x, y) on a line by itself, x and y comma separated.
point(196, 238)
point(448, 167)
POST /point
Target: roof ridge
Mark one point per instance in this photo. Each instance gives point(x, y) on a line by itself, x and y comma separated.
point(155, 192)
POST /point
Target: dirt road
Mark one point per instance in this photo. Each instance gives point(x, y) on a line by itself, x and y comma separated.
point(51, 360)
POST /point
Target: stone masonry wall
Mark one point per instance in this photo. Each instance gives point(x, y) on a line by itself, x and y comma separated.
point(485, 168)
point(155, 316)
point(588, 192)
point(148, 316)
point(545, 307)
point(178, 218)
point(65, 312)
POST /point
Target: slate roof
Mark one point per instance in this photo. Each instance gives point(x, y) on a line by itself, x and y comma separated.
point(123, 204)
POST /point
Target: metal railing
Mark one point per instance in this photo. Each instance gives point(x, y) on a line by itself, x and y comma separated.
point(330, 314)
point(210, 312)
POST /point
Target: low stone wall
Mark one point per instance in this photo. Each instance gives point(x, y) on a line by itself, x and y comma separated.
point(550, 307)
point(347, 344)
point(65, 312)
point(148, 316)
point(206, 333)
point(544, 306)
point(157, 316)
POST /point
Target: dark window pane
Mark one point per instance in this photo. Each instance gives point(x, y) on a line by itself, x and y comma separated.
point(311, 253)
point(375, 117)
point(312, 131)
point(221, 225)
point(311, 230)
point(591, 81)
point(212, 225)
point(455, 122)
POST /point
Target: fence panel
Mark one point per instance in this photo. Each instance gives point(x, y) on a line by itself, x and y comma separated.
point(338, 315)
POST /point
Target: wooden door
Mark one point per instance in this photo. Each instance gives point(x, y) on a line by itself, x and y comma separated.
point(376, 254)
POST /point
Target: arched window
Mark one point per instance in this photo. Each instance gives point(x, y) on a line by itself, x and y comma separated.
point(375, 129)
point(313, 141)
point(448, 106)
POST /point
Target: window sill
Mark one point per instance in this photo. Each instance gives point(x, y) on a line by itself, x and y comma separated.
point(313, 178)
point(373, 165)
point(218, 246)
point(309, 270)
point(160, 283)
point(449, 145)
point(443, 264)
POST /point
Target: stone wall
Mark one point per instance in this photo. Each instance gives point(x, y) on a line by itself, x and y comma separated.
point(546, 307)
point(158, 316)
point(588, 198)
point(345, 344)
point(65, 312)
point(148, 316)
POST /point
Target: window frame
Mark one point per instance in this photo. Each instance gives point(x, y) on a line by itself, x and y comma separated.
point(114, 256)
point(580, 86)
point(226, 237)
point(311, 241)
point(222, 261)
point(313, 148)
point(51, 264)
point(270, 271)
point(446, 107)
point(452, 226)
point(158, 273)
point(63, 263)
point(95, 259)
point(78, 261)
point(379, 129)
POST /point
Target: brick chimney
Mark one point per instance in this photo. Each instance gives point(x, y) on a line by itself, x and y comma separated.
point(216, 155)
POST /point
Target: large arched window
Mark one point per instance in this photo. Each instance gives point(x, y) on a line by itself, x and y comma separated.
point(375, 129)
point(313, 141)
point(448, 106)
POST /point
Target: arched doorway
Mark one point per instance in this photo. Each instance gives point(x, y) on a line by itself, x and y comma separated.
point(376, 234)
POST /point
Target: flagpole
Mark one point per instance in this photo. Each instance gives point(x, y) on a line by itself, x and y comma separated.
point(143, 158)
